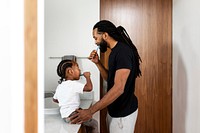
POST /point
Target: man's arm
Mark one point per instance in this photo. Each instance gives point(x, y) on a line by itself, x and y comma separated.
point(94, 57)
point(103, 70)
point(121, 77)
point(117, 89)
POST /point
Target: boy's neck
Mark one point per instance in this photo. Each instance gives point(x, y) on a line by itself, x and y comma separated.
point(69, 78)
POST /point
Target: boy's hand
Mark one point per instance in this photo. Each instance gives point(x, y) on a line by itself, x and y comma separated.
point(55, 100)
point(86, 74)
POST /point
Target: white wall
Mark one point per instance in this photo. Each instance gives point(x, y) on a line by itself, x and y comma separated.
point(68, 31)
point(40, 59)
point(186, 66)
point(12, 66)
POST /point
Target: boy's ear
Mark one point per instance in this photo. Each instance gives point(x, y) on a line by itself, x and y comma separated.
point(70, 71)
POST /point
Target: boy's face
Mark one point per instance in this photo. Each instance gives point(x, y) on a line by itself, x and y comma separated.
point(76, 70)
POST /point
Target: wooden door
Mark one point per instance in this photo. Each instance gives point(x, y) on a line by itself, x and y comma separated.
point(149, 24)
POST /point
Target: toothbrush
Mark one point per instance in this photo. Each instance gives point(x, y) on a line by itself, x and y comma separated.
point(96, 51)
point(97, 48)
point(81, 74)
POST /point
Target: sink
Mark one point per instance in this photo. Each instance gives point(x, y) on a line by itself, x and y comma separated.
point(50, 107)
point(87, 95)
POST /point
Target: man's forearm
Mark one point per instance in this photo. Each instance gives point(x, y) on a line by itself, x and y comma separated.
point(117, 89)
point(111, 96)
point(103, 70)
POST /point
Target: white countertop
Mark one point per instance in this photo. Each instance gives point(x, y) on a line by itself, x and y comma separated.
point(55, 124)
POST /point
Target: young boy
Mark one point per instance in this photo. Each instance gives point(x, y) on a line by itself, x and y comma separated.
point(67, 92)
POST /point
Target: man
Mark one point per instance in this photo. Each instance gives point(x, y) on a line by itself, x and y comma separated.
point(124, 62)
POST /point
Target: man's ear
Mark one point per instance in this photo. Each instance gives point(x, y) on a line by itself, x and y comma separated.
point(105, 35)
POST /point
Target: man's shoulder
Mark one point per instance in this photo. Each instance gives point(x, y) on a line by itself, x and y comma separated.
point(123, 46)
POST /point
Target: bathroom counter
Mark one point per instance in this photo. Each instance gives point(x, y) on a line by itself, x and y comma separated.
point(55, 124)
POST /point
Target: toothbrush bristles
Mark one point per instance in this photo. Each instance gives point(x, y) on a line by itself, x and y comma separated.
point(97, 48)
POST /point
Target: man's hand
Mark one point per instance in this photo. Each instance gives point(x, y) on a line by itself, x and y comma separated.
point(81, 116)
point(94, 57)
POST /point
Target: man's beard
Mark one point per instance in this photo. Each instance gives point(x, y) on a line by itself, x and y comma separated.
point(103, 46)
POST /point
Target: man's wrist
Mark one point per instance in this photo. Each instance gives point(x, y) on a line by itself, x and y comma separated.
point(98, 63)
point(91, 111)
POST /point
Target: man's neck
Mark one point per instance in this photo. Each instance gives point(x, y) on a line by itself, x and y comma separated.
point(112, 43)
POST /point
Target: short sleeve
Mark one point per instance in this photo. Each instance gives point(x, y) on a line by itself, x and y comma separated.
point(78, 87)
point(124, 59)
point(55, 96)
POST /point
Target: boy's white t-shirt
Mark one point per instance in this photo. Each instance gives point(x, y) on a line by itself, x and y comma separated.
point(67, 93)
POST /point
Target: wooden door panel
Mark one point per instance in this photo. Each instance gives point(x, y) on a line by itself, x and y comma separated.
point(149, 24)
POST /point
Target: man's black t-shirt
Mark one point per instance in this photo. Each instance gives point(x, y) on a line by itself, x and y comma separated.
point(122, 57)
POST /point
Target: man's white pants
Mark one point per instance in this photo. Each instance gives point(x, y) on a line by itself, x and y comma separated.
point(122, 124)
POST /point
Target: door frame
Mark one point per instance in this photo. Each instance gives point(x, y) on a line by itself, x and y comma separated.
point(30, 58)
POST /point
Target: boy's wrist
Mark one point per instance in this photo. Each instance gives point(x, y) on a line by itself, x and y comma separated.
point(87, 77)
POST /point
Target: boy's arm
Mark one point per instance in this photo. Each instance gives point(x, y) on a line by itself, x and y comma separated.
point(88, 86)
point(55, 100)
